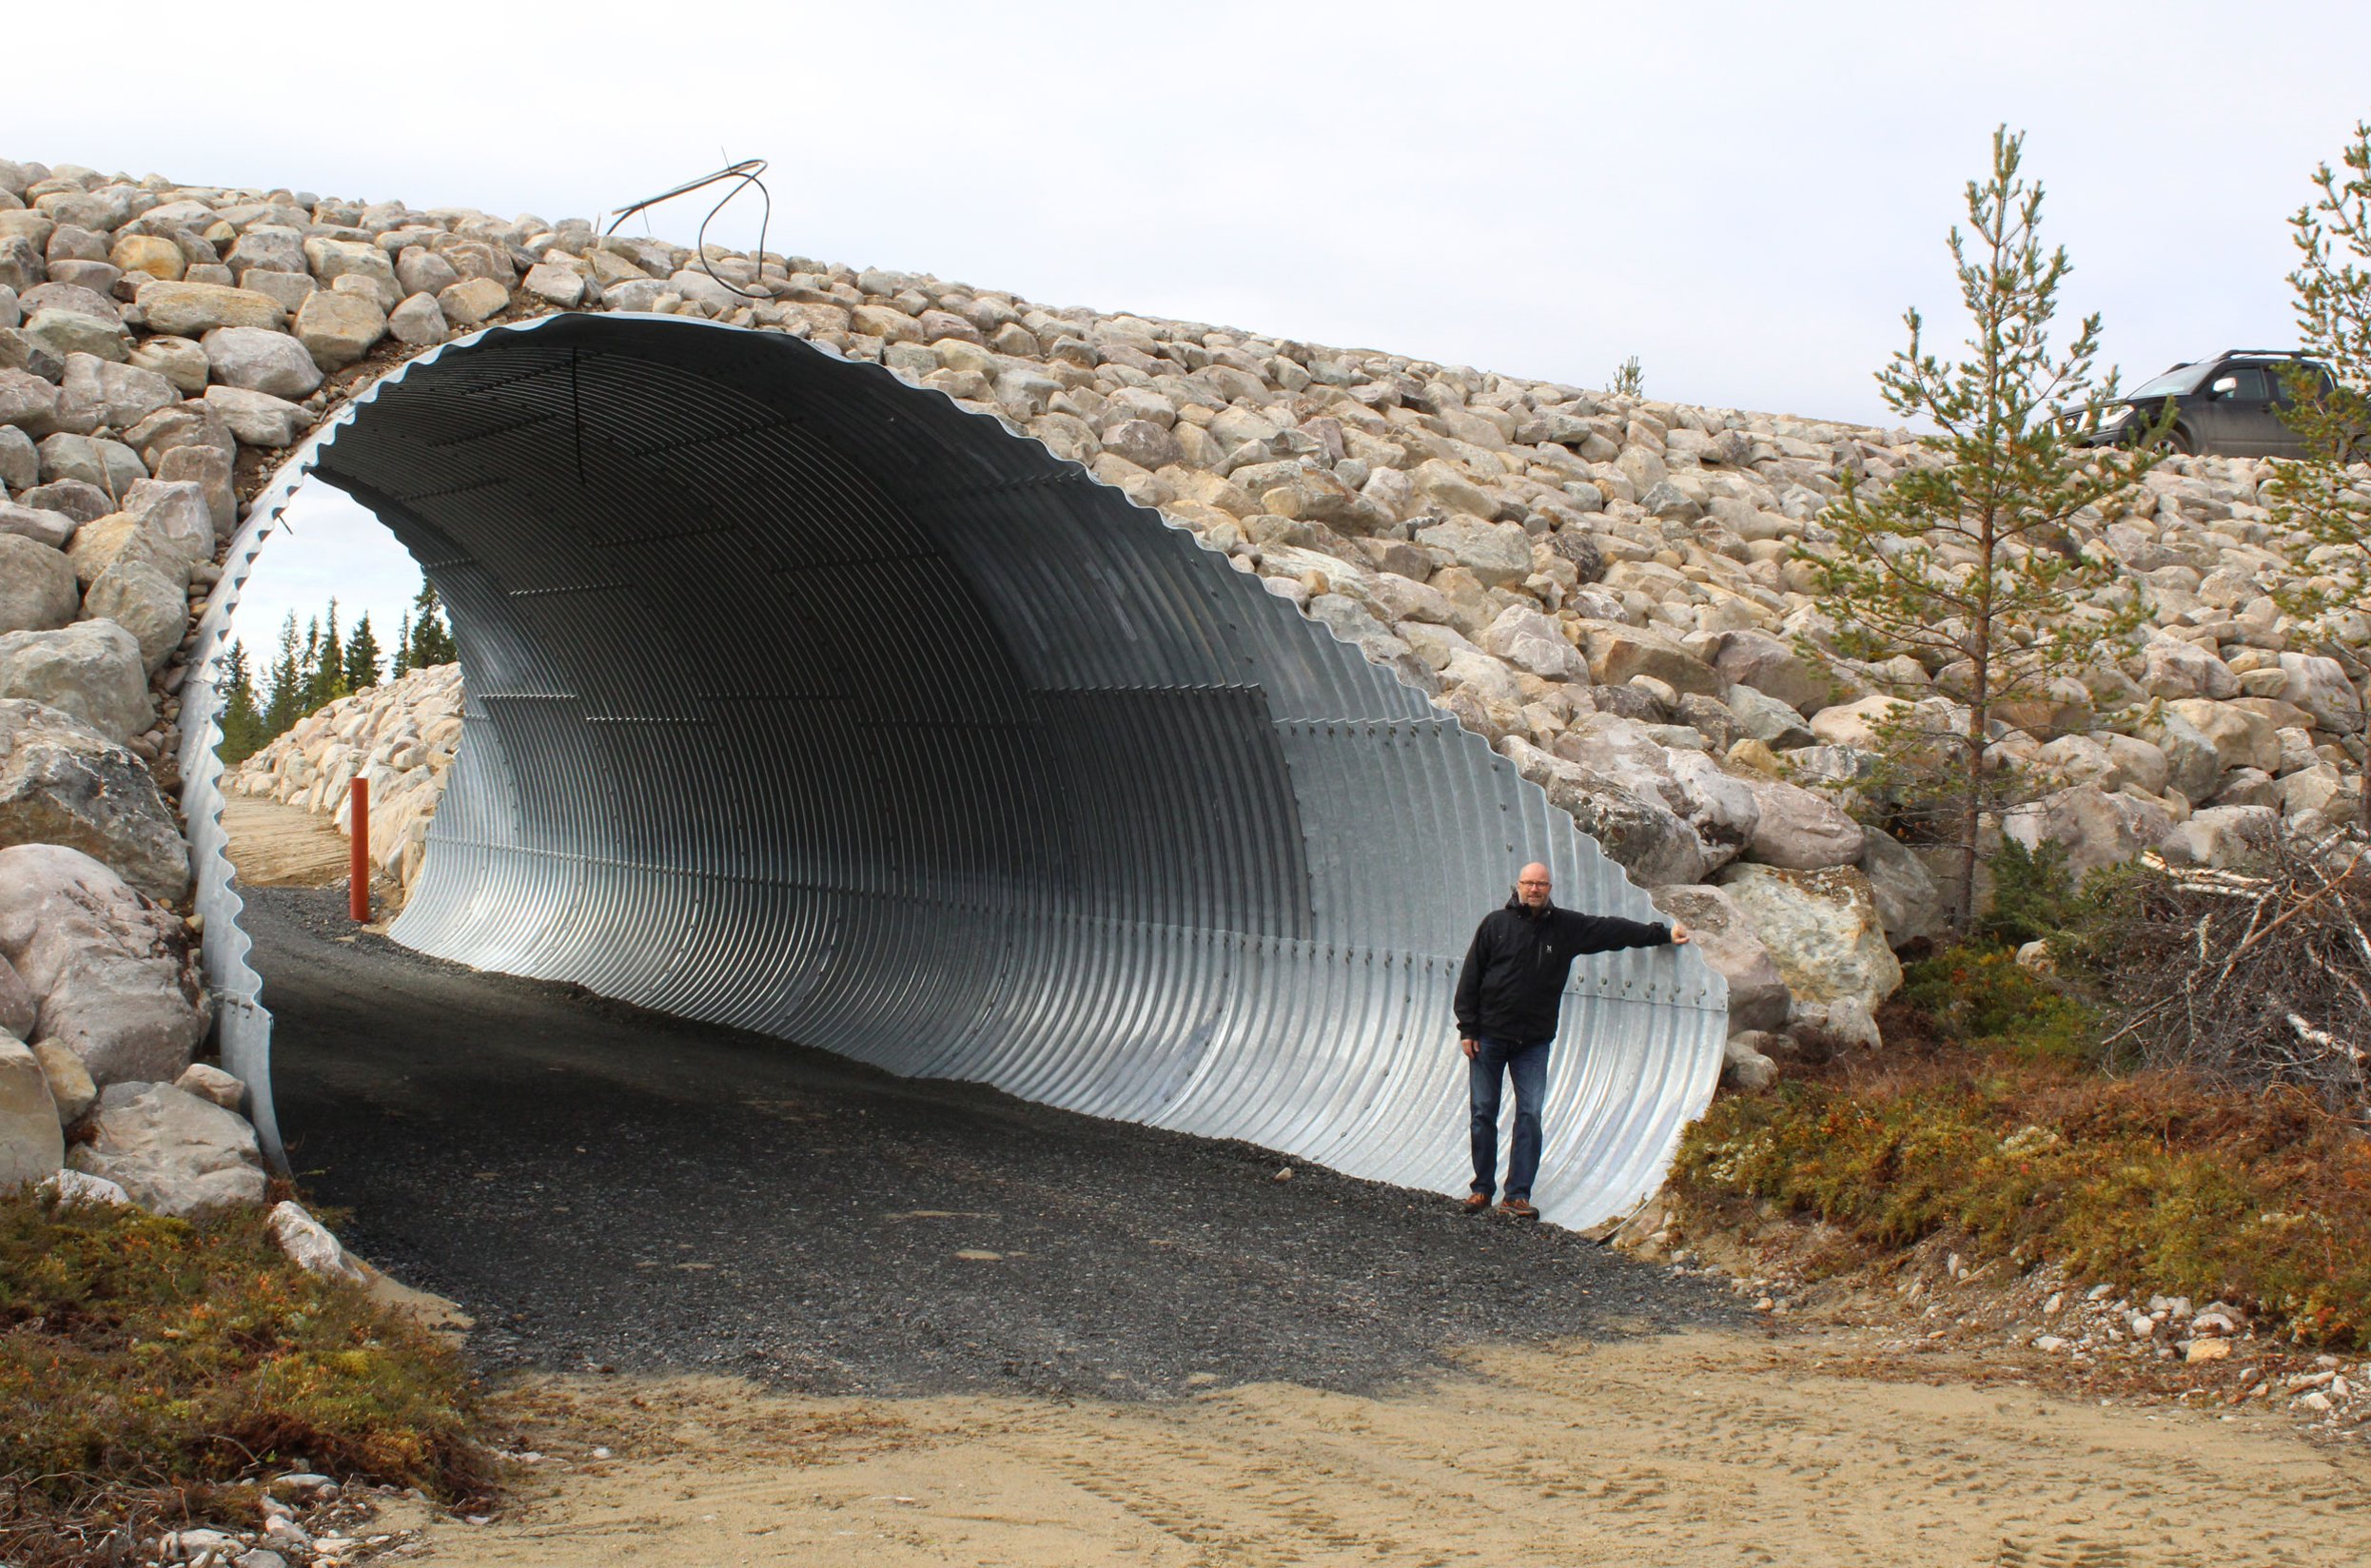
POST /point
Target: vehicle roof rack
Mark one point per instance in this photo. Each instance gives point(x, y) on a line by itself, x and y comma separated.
point(2265, 353)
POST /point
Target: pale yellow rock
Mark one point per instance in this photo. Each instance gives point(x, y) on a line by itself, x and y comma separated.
point(69, 1081)
point(473, 299)
point(150, 253)
point(191, 310)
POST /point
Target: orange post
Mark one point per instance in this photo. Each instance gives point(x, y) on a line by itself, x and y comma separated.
point(358, 818)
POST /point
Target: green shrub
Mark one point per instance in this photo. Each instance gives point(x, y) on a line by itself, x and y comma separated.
point(1986, 1000)
point(2033, 895)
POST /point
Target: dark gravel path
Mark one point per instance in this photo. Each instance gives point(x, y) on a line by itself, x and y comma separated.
point(602, 1185)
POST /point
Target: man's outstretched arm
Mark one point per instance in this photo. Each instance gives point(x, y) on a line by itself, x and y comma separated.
point(1606, 932)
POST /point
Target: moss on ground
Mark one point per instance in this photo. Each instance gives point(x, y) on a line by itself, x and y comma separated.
point(149, 1366)
point(1993, 1114)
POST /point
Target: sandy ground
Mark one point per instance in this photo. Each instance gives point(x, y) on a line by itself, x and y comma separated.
point(1697, 1449)
point(276, 845)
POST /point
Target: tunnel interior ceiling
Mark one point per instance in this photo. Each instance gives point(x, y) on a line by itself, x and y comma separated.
point(806, 701)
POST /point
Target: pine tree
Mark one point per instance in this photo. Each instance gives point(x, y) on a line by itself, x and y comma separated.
point(432, 644)
point(362, 656)
point(2327, 508)
point(401, 664)
point(1965, 564)
point(240, 721)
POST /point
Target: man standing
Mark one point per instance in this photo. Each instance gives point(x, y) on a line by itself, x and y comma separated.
point(1509, 996)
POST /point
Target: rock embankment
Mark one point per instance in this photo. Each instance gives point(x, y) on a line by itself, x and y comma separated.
point(398, 738)
point(1613, 591)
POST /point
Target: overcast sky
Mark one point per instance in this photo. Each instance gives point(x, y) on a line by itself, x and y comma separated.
point(1744, 196)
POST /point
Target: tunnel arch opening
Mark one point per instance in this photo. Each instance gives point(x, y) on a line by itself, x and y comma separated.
point(808, 702)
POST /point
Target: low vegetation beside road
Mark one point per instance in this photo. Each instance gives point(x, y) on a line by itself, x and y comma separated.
point(155, 1372)
point(2071, 1118)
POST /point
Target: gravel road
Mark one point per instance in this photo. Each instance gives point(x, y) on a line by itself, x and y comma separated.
point(608, 1187)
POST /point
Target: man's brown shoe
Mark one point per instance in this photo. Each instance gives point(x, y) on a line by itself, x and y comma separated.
point(1476, 1201)
point(1518, 1208)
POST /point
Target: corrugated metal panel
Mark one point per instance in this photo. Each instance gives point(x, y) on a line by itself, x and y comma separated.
point(803, 700)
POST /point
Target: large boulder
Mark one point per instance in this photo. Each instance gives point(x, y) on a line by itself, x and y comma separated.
point(37, 588)
point(331, 259)
point(178, 513)
point(2225, 837)
point(19, 1007)
point(1724, 807)
point(123, 394)
point(38, 524)
point(1533, 643)
point(32, 1147)
point(339, 328)
point(143, 601)
point(2319, 798)
point(175, 1153)
point(1910, 900)
point(255, 359)
point(120, 536)
point(106, 465)
point(1763, 718)
point(63, 782)
point(1616, 803)
point(2319, 686)
point(1774, 667)
point(1743, 1065)
point(2242, 737)
point(1618, 651)
point(2193, 767)
point(2095, 827)
point(1800, 829)
point(191, 310)
point(2176, 670)
point(1499, 553)
point(1820, 928)
point(91, 671)
point(69, 1081)
point(258, 419)
point(1720, 808)
point(1723, 934)
point(117, 981)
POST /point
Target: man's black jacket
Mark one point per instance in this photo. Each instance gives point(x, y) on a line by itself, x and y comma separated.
point(1514, 976)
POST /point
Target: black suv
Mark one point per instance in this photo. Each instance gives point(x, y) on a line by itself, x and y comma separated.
point(2228, 405)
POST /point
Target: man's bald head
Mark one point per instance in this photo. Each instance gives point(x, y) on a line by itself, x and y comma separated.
point(1531, 885)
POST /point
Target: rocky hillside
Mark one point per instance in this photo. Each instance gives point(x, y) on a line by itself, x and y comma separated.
point(398, 738)
point(1608, 588)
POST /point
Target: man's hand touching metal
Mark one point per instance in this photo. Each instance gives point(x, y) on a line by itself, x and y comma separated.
point(1679, 932)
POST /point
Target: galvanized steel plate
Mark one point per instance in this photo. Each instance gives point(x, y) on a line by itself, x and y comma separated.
point(808, 702)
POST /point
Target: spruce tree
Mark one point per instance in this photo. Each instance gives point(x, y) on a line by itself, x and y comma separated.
point(1966, 563)
point(362, 656)
point(401, 664)
point(240, 721)
point(2328, 507)
point(326, 676)
point(432, 643)
point(287, 695)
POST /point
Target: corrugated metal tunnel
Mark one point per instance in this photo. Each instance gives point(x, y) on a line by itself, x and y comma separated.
point(806, 701)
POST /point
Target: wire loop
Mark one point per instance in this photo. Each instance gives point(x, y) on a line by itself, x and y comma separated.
point(747, 171)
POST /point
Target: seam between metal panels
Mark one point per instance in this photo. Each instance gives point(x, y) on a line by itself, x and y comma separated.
point(807, 701)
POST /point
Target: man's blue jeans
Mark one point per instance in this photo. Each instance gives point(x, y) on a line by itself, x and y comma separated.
point(1528, 1066)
